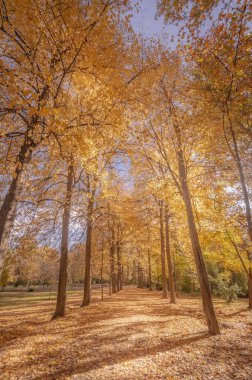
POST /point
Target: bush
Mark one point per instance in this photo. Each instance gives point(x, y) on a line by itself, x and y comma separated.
point(229, 292)
point(19, 282)
point(159, 286)
point(232, 292)
point(4, 278)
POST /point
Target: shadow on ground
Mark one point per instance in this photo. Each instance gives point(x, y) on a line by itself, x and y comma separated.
point(127, 327)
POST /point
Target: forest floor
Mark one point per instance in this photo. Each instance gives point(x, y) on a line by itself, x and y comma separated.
point(132, 335)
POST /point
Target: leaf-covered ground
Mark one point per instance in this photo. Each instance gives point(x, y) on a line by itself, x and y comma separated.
point(132, 335)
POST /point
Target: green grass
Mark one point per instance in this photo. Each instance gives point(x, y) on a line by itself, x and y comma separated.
point(24, 298)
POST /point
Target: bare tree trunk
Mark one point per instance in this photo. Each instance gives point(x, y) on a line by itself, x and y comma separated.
point(149, 269)
point(242, 177)
point(119, 267)
point(62, 284)
point(238, 161)
point(247, 270)
point(110, 286)
point(134, 273)
point(139, 276)
point(9, 206)
point(149, 263)
point(87, 278)
point(112, 262)
point(250, 287)
point(162, 245)
point(169, 259)
point(122, 277)
point(208, 307)
point(102, 264)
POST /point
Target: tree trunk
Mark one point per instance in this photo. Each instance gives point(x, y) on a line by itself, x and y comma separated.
point(112, 262)
point(247, 206)
point(149, 269)
point(247, 270)
point(149, 263)
point(122, 277)
point(87, 278)
point(134, 273)
point(208, 307)
point(102, 264)
point(139, 276)
point(242, 179)
point(162, 245)
point(9, 206)
point(127, 274)
point(169, 259)
point(250, 288)
point(119, 267)
point(62, 285)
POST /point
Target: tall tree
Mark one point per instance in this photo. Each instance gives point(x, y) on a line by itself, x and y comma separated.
point(62, 284)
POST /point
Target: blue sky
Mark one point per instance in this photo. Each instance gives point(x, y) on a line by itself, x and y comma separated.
point(144, 21)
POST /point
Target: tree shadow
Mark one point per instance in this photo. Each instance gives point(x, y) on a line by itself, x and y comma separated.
point(116, 331)
point(115, 357)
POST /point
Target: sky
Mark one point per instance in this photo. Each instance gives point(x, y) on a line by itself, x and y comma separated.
point(144, 21)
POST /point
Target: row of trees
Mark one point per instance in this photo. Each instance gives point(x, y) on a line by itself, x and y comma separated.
point(142, 157)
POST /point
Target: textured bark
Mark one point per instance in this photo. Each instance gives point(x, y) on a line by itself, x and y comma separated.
point(208, 307)
point(62, 284)
point(162, 246)
point(169, 259)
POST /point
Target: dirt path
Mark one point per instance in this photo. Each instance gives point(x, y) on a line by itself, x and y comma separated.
point(131, 335)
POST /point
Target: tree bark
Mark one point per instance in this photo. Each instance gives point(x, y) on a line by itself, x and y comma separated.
point(62, 285)
point(149, 263)
point(162, 246)
point(122, 277)
point(112, 262)
point(119, 267)
point(87, 279)
point(9, 206)
point(247, 270)
point(134, 273)
point(242, 177)
point(208, 307)
point(169, 259)
point(250, 287)
point(149, 269)
point(247, 206)
point(102, 264)
point(139, 276)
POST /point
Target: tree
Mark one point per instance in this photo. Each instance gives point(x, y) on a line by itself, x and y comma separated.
point(170, 263)
point(62, 284)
